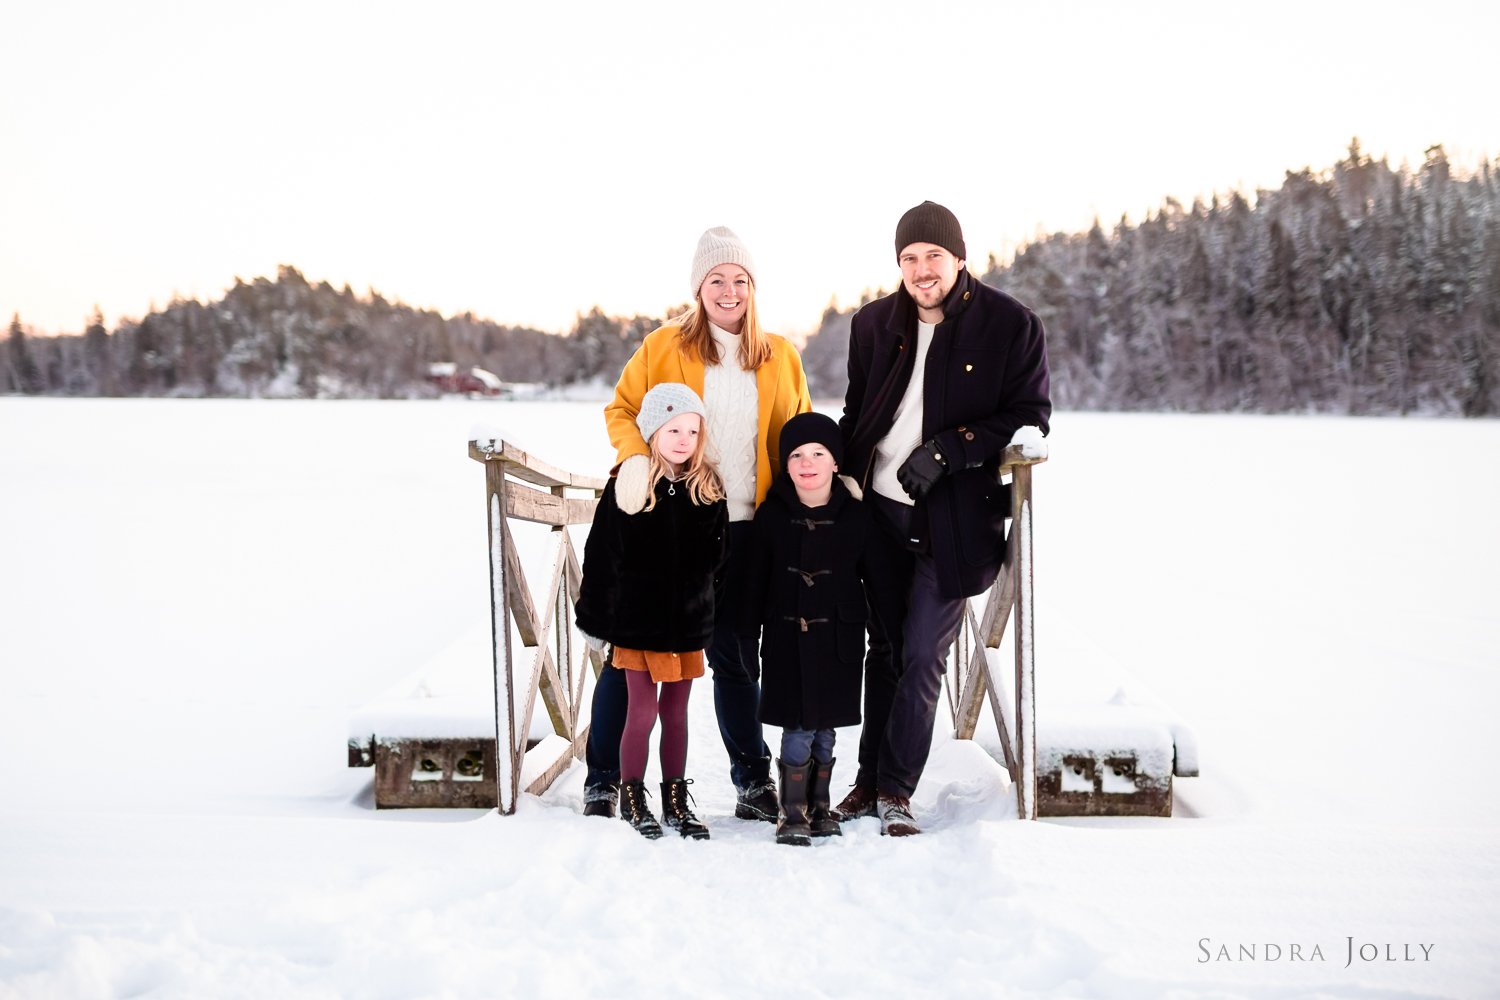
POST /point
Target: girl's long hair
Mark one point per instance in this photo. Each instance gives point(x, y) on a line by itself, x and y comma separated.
point(700, 475)
point(698, 340)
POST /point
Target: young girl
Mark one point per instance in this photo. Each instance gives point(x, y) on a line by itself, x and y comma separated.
point(805, 596)
point(648, 589)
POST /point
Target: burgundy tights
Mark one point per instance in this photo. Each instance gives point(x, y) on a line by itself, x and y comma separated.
point(640, 718)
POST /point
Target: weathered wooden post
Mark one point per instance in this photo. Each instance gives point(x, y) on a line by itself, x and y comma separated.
point(507, 754)
point(1011, 589)
point(1020, 526)
point(1092, 759)
point(552, 674)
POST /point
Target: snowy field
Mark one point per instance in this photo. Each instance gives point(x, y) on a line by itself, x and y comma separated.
point(195, 596)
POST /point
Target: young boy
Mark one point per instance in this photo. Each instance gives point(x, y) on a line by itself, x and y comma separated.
point(805, 598)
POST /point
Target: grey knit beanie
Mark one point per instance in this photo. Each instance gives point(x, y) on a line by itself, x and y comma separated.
point(718, 246)
point(930, 222)
point(664, 401)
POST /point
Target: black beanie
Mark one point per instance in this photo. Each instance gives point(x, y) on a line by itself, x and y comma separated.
point(930, 222)
point(811, 428)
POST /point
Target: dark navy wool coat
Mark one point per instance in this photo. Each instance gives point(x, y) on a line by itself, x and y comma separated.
point(649, 578)
point(805, 596)
point(986, 377)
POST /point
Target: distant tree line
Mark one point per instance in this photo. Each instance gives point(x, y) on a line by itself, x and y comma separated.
point(1365, 290)
point(292, 338)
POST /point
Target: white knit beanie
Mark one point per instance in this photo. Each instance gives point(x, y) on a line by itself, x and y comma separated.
point(718, 246)
point(664, 401)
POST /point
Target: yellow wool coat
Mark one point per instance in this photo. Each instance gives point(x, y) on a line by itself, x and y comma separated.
point(781, 387)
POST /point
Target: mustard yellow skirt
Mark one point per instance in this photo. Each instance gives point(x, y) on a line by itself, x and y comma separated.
point(663, 667)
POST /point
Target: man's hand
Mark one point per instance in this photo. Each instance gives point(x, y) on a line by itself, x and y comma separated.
point(631, 483)
point(921, 470)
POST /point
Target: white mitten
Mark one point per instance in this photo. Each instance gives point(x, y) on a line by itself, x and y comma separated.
point(852, 487)
point(595, 643)
point(631, 482)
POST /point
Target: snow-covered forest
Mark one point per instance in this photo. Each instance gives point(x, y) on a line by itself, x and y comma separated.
point(1364, 288)
point(290, 338)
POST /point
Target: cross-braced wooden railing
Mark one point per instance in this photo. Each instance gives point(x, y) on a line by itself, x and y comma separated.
point(969, 674)
point(554, 666)
point(550, 663)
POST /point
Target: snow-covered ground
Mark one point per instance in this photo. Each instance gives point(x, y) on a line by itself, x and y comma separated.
point(195, 596)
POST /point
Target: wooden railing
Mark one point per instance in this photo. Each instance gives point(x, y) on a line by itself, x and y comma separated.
point(970, 682)
point(549, 663)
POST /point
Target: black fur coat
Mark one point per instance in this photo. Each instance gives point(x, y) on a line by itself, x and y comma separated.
point(649, 578)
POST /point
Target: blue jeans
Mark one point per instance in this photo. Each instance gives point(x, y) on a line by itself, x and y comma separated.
point(735, 664)
point(798, 746)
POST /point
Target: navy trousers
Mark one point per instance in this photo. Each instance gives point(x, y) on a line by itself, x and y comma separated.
point(735, 665)
point(904, 663)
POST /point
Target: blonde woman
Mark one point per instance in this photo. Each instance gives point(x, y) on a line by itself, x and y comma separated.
point(751, 382)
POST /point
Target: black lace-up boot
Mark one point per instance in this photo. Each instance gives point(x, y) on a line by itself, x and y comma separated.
point(635, 811)
point(676, 814)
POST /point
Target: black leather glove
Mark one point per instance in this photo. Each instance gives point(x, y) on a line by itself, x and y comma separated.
point(921, 470)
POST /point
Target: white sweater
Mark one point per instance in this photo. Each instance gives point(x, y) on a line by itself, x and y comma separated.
point(906, 428)
point(731, 398)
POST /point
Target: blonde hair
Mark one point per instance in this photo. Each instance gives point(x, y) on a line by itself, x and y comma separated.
point(698, 340)
point(700, 475)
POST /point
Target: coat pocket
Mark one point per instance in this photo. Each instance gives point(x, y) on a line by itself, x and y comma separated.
point(850, 638)
point(981, 505)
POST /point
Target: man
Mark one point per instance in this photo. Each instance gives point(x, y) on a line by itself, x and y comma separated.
point(942, 373)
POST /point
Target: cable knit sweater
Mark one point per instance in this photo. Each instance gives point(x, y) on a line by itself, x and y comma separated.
point(780, 394)
point(729, 396)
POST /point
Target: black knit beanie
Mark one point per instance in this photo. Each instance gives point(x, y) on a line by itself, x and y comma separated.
point(811, 428)
point(930, 222)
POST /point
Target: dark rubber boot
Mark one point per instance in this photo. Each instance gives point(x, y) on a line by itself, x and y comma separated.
point(601, 800)
point(820, 816)
point(676, 814)
point(758, 801)
point(792, 827)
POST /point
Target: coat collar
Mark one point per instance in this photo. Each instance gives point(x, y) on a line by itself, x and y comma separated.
point(958, 299)
point(783, 489)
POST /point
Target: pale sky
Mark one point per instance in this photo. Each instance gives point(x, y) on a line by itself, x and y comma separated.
point(529, 161)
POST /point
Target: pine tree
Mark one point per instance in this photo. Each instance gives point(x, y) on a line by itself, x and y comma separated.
point(26, 375)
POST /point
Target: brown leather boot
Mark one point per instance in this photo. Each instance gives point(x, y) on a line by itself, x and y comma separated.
point(823, 820)
point(895, 816)
point(860, 801)
point(792, 826)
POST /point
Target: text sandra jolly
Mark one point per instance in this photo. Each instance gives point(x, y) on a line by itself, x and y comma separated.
point(1367, 952)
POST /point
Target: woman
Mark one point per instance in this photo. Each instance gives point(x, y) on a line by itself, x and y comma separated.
point(751, 383)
